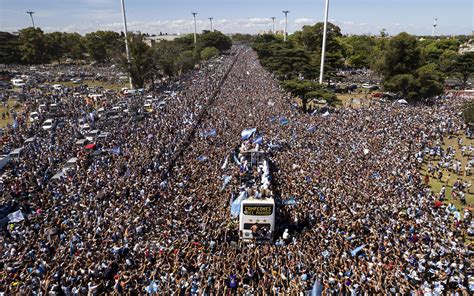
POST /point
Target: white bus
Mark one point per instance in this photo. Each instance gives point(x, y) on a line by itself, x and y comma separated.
point(257, 219)
point(258, 211)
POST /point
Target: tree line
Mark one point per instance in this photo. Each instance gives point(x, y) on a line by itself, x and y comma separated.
point(414, 68)
point(161, 59)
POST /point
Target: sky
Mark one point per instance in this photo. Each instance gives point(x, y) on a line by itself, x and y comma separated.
point(240, 16)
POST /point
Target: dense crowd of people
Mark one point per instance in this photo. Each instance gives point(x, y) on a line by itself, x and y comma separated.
point(149, 213)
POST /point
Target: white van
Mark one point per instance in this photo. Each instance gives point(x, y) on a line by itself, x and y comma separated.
point(18, 82)
point(4, 160)
point(16, 153)
point(57, 86)
point(34, 116)
point(47, 124)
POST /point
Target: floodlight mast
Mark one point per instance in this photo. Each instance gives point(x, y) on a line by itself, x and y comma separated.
point(195, 30)
point(323, 52)
point(31, 15)
point(273, 25)
point(210, 19)
point(286, 23)
point(127, 51)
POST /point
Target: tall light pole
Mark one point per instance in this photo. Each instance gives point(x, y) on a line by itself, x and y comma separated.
point(31, 15)
point(434, 26)
point(194, 18)
point(323, 52)
point(210, 19)
point(273, 25)
point(126, 44)
point(286, 23)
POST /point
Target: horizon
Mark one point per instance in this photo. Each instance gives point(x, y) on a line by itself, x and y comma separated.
point(174, 17)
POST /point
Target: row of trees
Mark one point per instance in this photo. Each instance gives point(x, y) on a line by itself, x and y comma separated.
point(162, 59)
point(415, 68)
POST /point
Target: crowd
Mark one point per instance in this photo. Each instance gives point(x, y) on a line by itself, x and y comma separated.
point(150, 214)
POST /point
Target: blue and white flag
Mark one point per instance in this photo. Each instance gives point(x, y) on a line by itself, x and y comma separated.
point(317, 288)
point(225, 162)
point(290, 201)
point(211, 133)
point(115, 150)
point(15, 124)
point(284, 121)
point(357, 250)
point(152, 288)
point(15, 217)
point(247, 133)
point(258, 140)
point(235, 206)
point(311, 129)
point(236, 160)
point(226, 181)
point(202, 158)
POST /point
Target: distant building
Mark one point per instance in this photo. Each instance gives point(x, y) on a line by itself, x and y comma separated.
point(467, 47)
point(150, 40)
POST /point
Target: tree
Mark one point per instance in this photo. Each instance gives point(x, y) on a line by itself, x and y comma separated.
point(462, 67)
point(209, 52)
point(73, 45)
point(103, 45)
point(166, 54)
point(141, 61)
point(311, 37)
point(401, 56)
point(9, 49)
point(308, 90)
point(214, 39)
point(358, 50)
point(32, 46)
point(426, 82)
point(54, 45)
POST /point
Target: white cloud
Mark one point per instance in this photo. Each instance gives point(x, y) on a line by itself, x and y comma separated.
point(304, 21)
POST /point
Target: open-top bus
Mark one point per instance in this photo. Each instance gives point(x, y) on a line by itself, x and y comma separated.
point(257, 206)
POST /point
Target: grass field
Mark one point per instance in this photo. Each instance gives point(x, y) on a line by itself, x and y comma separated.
point(4, 122)
point(450, 177)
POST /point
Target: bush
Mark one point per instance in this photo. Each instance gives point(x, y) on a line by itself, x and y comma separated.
point(209, 52)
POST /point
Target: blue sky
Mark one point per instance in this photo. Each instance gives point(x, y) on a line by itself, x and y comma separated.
point(247, 16)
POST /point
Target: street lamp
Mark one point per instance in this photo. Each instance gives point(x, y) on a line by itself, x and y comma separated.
point(286, 23)
point(126, 44)
point(194, 18)
point(210, 19)
point(321, 70)
point(31, 15)
point(273, 25)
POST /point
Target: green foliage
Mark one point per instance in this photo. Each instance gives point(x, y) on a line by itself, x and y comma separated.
point(141, 61)
point(462, 67)
point(32, 46)
point(432, 49)
point(308, 90)
point(399, 64)
point(214, 39)
point(242, 38)
point(103, 45)
point(425, 82)
point(209, 52)
point(311, 37)
point(9, 49)
point(401, 56)
point(358, 50)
